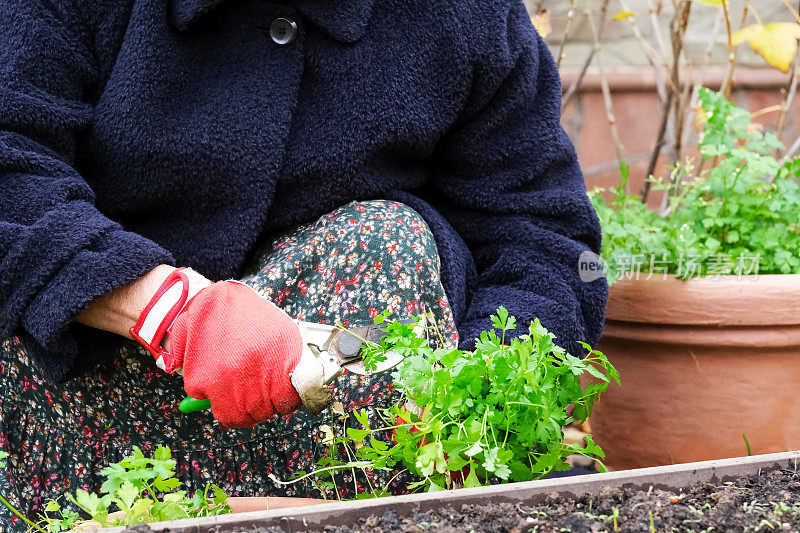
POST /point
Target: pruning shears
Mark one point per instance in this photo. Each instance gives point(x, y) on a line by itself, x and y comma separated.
point(327, 352)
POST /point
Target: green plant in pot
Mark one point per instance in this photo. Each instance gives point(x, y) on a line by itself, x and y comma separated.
point(703, 318)
point(738, 212)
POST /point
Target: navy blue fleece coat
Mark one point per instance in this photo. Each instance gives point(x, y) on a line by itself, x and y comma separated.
point(139, 132)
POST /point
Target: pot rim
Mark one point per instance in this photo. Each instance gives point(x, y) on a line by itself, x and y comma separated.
point(765, 300)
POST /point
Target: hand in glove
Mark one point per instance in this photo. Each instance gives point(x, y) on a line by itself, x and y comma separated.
point(236, 349)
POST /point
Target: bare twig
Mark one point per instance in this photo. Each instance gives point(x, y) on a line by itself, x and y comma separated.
point(796, 145)
point(681, 112)
point(677, 34)
point(661, 140)
point(793, 10)
point(567, 31)
point(700, 78)
point(675, 104)
point(612, 121)
point(791, 151)
point(577, 81)
point(791, 90)
point(707, 56)
point(728, 83)
point(756, 16)
point(700, 81)
point(664, 87)
point(766, 110)
point(654, 10)
point(653, 56)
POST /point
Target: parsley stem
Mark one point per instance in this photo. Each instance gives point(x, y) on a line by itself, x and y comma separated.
point(387, 428)
point(352, 469)
point(369, 483)
point(430, 318)
point(483, 429)
point(526, 403)
point(386, 487)
point(205, 498)
point(20, 515)
point(338, 468)
point(150, 490)
point(508, 425)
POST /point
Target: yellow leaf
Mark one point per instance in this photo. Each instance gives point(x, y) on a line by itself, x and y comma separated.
point(746, 34)
point(755, 126)
point(776, 42)
point(700, 118)
point(541, 22)
point(622, 15)
point(715, 3)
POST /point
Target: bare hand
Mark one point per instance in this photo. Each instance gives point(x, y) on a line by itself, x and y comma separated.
point(118, 310)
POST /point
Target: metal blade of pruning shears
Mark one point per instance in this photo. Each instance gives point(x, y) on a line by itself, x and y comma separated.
point(327, 352)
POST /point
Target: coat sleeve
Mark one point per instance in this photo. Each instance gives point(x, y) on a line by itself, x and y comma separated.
point(58, 252)
point(515, 193)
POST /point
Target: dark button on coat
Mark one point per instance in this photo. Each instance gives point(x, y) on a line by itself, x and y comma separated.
point(139, 132)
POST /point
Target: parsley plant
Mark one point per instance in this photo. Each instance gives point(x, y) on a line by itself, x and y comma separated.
point(144, 488)
point(741, 214)
point(471, 418)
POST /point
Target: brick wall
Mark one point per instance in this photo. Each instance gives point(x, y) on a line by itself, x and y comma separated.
point(622, 49)
point(636, 106)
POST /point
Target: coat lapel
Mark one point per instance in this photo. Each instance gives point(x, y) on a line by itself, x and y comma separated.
point(185, 13)
point(344, 20)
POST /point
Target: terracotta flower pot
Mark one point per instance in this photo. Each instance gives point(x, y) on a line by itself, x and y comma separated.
point(246, 504)
point(239, 505)
point(702, 362)
point(259, 503)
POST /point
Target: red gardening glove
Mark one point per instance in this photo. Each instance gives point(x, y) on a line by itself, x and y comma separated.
point(236, 348)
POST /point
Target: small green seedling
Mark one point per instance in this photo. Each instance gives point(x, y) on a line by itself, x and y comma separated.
point(747, 445)
point(144, 488)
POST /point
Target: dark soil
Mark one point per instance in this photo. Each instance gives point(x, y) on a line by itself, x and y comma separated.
point(764, 503)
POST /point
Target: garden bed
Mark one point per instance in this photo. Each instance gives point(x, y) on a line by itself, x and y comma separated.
point(750, 493)
point(766, 501)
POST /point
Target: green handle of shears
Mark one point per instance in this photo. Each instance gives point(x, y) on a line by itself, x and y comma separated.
point(190, 405)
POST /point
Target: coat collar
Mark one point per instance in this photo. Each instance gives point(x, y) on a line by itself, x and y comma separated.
point(345, 20)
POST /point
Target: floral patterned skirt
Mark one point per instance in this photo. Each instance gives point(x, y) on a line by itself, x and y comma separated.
point(346, 267)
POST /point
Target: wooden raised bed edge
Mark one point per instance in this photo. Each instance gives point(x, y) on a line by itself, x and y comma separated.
point(313, 518)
